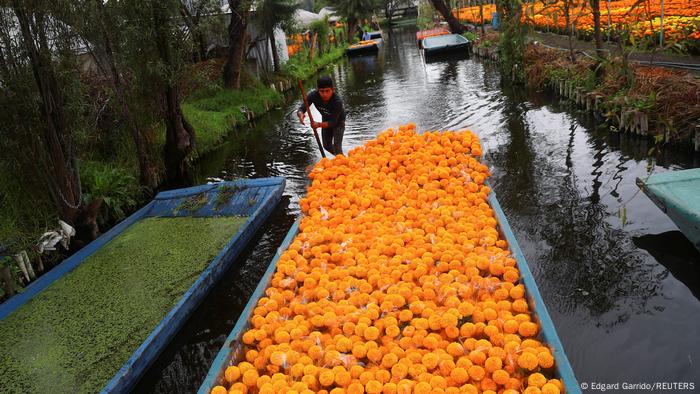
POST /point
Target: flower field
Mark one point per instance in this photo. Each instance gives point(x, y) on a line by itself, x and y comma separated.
point(397, 282)
point(681, 17)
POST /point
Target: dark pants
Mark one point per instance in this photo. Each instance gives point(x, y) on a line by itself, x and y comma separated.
point(333, 139)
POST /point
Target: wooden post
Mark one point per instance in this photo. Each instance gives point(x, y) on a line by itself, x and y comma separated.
point(28, 264)
point(661, 25)
point(313, 48)
point(696, 138)
point(7, 282)
point(20, 263)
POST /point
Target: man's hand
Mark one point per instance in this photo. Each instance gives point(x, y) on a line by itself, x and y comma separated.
point(301, 116)
point(316, 125)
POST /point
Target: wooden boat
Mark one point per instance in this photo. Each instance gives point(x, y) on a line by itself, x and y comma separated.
point(422, 34)
point(363, 48)
point(445, 44)
point(254, 199)
point(232, 350)
point(677, 193)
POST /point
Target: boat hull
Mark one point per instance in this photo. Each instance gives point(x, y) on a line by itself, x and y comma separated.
point(255, 199)
point(233, 349)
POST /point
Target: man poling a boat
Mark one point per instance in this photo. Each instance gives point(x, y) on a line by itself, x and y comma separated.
point(329, 104)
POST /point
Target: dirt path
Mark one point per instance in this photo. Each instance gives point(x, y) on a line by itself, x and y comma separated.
point(659, 59)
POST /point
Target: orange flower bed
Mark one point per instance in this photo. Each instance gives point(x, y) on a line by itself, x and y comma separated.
point(397, 282)
point(681, 17)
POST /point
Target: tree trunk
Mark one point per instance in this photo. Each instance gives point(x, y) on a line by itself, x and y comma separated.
point(481, 16)
point(275, 54)
point(569, 30)
point(236, 43)
point(61, 175)
point(146, 170)
point(179, 134)
point(444, 10)
point(352, 26)
point(598, 36)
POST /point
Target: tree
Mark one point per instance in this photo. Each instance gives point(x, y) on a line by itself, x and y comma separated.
point(237, 40)
point(354, 11)
point(597, 34)
point(512, 40)
point(98, 24)
point(155, 46)
point(444, 10)
point(193, 13)
point(45, 45)
point(273, 14)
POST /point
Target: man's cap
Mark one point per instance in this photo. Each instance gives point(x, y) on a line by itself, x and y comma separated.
point(324, 82)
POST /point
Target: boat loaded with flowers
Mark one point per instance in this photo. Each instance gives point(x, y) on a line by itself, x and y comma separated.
point(401, 276)
point(99, 319)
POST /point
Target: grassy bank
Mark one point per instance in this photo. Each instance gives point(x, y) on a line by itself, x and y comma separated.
point(214, 111)
point(75, 335)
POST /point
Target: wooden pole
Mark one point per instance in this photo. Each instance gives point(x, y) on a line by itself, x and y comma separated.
point(8, 283)
point(313, 47)
point(661, 25)
point(311, 118)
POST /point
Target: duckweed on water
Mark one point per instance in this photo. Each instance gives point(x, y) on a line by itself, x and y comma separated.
point(75, 335)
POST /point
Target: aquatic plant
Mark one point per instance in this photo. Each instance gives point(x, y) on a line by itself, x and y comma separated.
point(76, 334)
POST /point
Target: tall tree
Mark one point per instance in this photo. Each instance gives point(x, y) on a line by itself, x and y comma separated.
point(45, 42)
point(597, 34)
point(512, 40)
point(354, 11)
point(98, 24)
point(444, 9)
point(156, 47)
point(237, 41)
point(273, 14)
point(193, 13)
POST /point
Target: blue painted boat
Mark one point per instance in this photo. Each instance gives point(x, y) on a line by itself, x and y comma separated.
point(254, 198)
point(232, 350)
point(445, 44)
point(677, 193)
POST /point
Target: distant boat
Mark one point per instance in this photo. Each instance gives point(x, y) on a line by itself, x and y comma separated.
point(444, 44)
point(422, 34)
point(677, 193)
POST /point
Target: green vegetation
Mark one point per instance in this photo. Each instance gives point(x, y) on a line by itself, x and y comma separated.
point(224, 195)
point(214, 111)
point(298, 67)
point(75, 335)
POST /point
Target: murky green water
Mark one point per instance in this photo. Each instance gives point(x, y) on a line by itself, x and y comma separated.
point(624, 297)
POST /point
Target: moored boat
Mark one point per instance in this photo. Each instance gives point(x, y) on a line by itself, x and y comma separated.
point(422, 34)
point(446, 44)
point(677, 194)
point(228, 367)
point(100, 318)
point(363, 48)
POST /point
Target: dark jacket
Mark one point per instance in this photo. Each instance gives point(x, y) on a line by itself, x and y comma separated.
point(332, 111)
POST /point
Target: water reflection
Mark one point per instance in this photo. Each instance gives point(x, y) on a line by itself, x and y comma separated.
point(677, 254)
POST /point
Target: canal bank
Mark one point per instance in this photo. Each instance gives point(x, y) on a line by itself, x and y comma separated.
point(648, 101)
point(624, 291)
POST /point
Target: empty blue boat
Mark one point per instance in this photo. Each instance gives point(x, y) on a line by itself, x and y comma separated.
point(677, 193)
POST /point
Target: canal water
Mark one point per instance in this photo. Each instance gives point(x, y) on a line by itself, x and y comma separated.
point(621, 283)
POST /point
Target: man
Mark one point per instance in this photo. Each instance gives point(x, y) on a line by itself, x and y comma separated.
point(333, 115)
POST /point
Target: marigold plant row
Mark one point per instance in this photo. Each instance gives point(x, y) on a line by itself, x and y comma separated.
point(681, 17)
point(397, 282)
